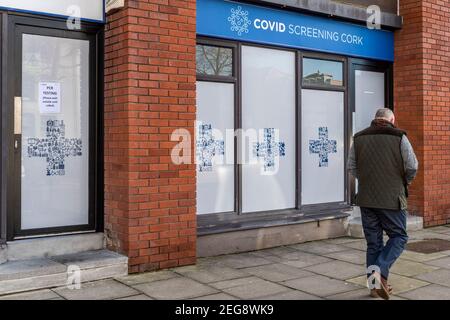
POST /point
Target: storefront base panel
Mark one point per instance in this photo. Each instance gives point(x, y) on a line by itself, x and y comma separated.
point(52, 246)
point(355, 228)
point(56, 271)
point(263, 238)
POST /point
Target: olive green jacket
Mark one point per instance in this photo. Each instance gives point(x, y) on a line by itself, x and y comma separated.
point(383, 161)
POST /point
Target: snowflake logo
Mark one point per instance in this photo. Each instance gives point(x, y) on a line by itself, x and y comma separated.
point(239, 20)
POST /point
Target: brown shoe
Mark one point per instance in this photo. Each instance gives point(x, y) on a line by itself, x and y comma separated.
point(390, 289)
point(383, 289)
point(373, 292)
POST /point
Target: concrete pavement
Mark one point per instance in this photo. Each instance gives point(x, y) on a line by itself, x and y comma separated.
point(328, 269)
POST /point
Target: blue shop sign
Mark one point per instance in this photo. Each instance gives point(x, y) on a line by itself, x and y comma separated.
point(239, 21)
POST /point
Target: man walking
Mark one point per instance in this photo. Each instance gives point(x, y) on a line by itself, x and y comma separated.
point(383, 161)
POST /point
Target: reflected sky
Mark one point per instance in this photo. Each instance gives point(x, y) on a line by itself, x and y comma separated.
point(311, 66)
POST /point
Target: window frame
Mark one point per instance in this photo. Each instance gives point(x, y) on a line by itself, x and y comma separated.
point(219, 78)
point(324, 57)
point(13, 24)
point(355, 64)
point(220, 44)
point(3, 81)
point(237, 220)
point(297, 127)
point(347, 123)
point(232, 80)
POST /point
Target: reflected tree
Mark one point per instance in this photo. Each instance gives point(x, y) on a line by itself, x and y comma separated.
point(214, 60)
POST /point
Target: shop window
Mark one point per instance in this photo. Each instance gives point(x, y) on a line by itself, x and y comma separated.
point(268, 110)
point(215, 118)
point(323, 147)
point(318, 72)
point(275, 143)
point(215, 153)
point(214, 61)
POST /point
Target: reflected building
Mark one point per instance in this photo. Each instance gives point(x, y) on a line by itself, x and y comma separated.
point(320, 78)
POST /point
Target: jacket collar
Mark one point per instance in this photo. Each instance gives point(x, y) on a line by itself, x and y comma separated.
point(382, 123)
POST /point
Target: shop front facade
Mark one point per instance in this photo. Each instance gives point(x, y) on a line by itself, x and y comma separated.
point(294, 88)
point(172, 130)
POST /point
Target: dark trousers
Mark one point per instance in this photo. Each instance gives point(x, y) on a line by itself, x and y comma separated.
point(393, 222)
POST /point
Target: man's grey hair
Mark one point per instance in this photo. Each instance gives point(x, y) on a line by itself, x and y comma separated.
point(384, 113)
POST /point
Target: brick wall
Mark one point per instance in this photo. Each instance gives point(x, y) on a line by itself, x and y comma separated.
point(422, 102)
point(150, 209)
point(408, 91)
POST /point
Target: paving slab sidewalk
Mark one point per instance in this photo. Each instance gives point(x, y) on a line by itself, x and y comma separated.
point(328, 269)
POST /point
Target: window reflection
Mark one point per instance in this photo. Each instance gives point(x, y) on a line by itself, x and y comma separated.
point(216, 61)
point(322, 72)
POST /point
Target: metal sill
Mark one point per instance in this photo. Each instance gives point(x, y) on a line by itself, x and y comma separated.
point(49, 235)
point(230, 222)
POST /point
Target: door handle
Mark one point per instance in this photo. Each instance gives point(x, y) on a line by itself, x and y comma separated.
point(17, 115)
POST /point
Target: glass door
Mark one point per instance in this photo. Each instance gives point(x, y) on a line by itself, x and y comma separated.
point(369, 97)
point(54, 131)
point(370, 90)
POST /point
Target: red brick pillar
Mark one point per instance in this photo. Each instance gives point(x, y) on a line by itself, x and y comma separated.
point(150, 208)
point(422, 102)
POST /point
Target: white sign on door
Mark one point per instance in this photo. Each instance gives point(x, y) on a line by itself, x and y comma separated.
point(50, 97)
